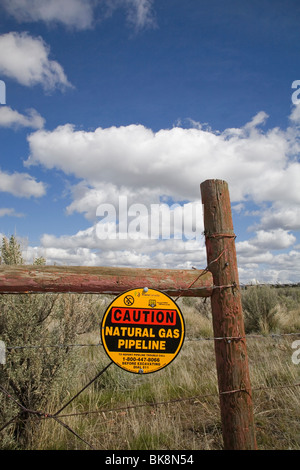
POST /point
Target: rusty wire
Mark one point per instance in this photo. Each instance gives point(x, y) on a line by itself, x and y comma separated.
point(209, 338)
point(44, 415)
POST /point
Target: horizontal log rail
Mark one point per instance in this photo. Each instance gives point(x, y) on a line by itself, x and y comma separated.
point(103, 280)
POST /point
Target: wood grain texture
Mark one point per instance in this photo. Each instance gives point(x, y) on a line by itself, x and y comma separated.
point(103, 280)
point(231, 355)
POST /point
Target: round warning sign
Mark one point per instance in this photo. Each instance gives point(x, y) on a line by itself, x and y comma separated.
point(142, 330)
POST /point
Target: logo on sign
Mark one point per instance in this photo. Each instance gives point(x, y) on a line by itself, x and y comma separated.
point(128, 300)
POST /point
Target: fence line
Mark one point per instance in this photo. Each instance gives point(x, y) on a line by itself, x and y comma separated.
point(45, 415)
point(211, 338)
point(234, 285)
point(57, 416)
point(216, 202)
point(176, 400)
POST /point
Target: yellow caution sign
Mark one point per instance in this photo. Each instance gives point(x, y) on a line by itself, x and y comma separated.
point(142, 330)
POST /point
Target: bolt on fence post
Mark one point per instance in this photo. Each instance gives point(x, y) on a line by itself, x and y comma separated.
point(231, 356)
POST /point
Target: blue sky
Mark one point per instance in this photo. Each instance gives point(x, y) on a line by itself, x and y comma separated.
point(146, 99)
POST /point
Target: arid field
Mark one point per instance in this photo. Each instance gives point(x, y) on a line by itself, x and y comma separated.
point(175, 408)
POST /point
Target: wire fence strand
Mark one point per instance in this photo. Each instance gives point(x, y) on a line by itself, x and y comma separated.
point(187, 339)
point(44, 415)
point(85, 387)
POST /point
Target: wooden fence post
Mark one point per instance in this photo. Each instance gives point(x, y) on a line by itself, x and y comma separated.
point(231, 354)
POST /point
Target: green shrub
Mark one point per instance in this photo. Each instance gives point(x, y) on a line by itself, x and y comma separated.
point(259, 307)
point(31, 330)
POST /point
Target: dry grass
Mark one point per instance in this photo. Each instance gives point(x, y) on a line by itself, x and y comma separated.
point(122, 415)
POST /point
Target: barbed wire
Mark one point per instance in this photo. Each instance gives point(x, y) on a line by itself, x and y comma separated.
point(250, 335)
point(57, 415)
point(54, 416)
point(44, 415)
point(42, 346)
point(37, 414)
point(177, 400)
point(187, 339)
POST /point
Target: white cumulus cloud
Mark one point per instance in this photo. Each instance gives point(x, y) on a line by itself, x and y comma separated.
point(21, 185)
point(25, 59)
point(261, 167)
point(257, 165)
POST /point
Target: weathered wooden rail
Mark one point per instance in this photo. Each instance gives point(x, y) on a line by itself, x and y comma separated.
point(103, 280)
